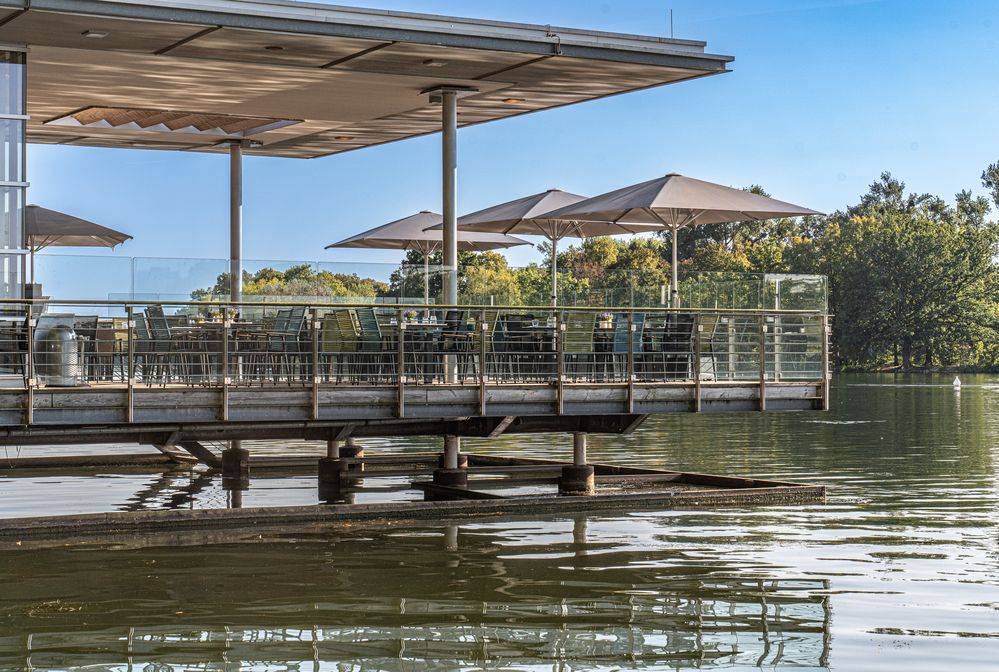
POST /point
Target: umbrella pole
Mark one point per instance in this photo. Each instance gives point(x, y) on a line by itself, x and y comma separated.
point(554, 242)
point(426, 281)
point(32, 265)
point(675, 284)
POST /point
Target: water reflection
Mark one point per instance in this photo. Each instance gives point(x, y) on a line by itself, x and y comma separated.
point(432, 597)
point(898, 571)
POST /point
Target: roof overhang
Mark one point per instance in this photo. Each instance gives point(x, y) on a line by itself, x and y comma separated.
point(350, 77)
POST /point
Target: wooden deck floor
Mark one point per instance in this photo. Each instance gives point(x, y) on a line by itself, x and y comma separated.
point(109, 411)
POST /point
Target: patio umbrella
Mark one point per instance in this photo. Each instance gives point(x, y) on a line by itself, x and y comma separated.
point(411, 233)
point(48, 228)
point(675, 201)
point(530, 215)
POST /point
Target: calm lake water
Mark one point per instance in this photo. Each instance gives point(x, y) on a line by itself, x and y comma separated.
point(898, 570)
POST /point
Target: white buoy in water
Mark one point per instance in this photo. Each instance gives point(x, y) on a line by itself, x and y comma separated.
point(957, 382)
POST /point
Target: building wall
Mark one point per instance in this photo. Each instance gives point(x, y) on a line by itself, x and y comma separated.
point(13, 118)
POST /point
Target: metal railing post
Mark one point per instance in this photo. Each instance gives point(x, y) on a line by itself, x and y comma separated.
point(29, 369)
point(401, 364)
point(763, 362)
point(778, 331)
point(630, 364)
point(226, 326)
point(698, 328)
point(825, 362)
point(733, 359)
point(483, 335)
point(314, 314)
point(560, 361)
point(130, 361)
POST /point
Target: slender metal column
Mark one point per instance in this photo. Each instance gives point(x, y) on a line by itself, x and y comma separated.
point(579, 478)
point(579, 448)
point(333, 449)
point(235, 221)
point(452, 446)
point(235, 235)
point(449, 184)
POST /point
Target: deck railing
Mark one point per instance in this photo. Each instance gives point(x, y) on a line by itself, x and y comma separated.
point(249, 344)
point(138, 279)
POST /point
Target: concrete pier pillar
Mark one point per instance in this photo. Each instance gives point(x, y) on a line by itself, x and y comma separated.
point(462, 461)
point(333, 449)
point(234, 496)
point(452, 473)
point(579, 448)
point(332, 471)
point(451, 538)
point(236, 463)
point(235, 474)
point(352, 452)
point(578, 478)
point(333, 468)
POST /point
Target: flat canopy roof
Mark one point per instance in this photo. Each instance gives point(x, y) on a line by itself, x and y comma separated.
point(301, 79)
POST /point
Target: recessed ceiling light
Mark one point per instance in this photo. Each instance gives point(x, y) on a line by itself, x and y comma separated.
point(274, 47)
point(343, 138)
point(434, 63)
point(513, 101)
point(94, 34)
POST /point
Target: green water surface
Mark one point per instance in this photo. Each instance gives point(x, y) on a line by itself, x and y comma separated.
point(898, 570)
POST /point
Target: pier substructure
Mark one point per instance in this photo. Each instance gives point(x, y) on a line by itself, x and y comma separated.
point(236, 463)
point(353, 453)
point(452, 473)
point(235, 474)
point(333, 477)
point(579, 477)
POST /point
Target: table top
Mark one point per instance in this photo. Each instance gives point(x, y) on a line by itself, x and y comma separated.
point(418, 324)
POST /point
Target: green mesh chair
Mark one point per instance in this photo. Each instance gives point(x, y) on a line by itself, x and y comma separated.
point(337, 345)
point(578, 344)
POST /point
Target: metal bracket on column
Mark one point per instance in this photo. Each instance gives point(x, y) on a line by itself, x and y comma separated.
point(436, 93)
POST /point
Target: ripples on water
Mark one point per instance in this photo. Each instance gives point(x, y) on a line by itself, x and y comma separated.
point(897, 571)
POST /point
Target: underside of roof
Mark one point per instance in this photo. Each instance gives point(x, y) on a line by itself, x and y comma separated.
point(308, 80)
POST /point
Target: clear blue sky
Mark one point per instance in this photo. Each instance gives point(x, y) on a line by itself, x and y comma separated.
point(823, 96)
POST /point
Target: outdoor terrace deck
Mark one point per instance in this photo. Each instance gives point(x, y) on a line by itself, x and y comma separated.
point(322, 371)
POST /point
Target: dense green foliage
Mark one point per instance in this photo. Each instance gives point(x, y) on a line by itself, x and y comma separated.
point(300, 280)
point(913, 279)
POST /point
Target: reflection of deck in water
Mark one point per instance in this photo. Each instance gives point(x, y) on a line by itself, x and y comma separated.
point(497, 604)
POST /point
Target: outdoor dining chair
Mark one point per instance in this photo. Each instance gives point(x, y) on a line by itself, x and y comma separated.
point(456, 339)
point(285, 353)
point(338, 346)
point(515, 346)
point(578, 344)
point(619, 343)
point(144, 358)
point(371, 347)
point(678, 346)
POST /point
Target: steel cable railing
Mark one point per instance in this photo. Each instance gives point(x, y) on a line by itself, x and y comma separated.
point(246, 344)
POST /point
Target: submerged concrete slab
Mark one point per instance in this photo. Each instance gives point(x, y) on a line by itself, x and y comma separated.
point(618, 487)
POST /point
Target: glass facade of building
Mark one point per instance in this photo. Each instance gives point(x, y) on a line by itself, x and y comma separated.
point(13, 117)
